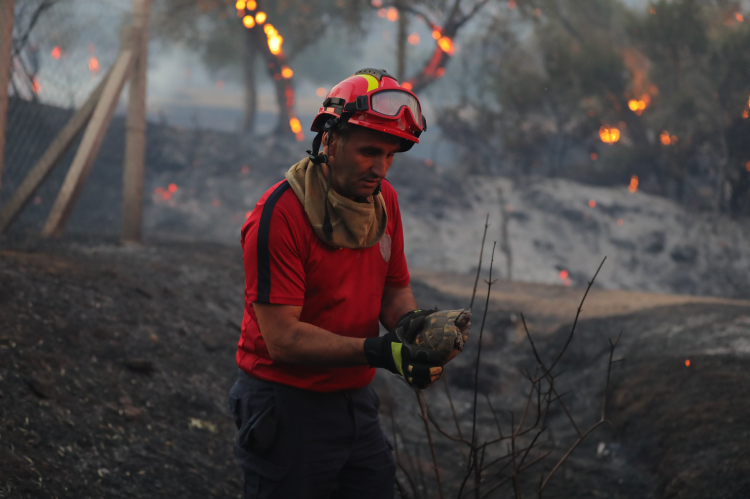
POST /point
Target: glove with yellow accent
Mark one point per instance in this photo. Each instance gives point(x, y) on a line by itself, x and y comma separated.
point(420, 367)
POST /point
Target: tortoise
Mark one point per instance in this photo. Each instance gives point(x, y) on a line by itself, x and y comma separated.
point(445, 331)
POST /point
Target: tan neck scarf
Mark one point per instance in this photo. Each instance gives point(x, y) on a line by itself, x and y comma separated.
point(355, 225)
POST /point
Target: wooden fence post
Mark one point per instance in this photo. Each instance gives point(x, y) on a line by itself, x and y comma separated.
point(135, 143)
point(6, 46)
point(91, 141)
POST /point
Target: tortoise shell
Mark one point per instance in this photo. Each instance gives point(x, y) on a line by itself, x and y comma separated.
point(445, 331)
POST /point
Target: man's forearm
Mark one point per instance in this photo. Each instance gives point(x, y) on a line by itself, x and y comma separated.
point(395, 303)
point(313, 346)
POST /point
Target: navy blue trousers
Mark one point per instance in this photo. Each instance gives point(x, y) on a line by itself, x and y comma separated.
point(318, 445)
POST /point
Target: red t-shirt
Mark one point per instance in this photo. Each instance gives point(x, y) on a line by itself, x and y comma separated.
point(339, 290)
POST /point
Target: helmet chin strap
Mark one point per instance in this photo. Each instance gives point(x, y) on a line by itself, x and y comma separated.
point(317, 158)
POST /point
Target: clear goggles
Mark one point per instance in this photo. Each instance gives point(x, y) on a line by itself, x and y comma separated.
point(390, 103)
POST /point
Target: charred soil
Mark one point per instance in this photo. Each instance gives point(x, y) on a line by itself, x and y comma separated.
point(115, 363)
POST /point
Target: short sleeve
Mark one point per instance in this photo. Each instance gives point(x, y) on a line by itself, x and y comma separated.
point(398, 272)
point(273, 253)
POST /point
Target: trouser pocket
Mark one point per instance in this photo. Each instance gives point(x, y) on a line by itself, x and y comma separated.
point(253, 405)
point(256, 435)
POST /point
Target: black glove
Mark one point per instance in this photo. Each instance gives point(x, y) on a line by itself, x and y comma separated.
point(411, 323)
point(391, 351)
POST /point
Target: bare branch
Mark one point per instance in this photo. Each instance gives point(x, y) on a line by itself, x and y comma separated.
point(479, 267)
point(422, 406)
point(578, 313)
point(453, 410)
point(596, 425)
point(492, 410)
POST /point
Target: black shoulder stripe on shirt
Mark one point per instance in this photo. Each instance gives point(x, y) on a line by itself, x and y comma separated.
point(264, 255)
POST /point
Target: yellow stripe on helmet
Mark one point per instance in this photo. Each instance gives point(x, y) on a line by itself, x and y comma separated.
point(372, 82)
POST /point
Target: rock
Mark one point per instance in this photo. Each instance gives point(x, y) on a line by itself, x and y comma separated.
point(42, 387)
point(209, 342)
point(684, 254)
point(132, 413)
point(140, 366)
point(655, 242)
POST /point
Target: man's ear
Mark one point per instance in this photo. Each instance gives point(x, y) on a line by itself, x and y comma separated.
point(331, 151)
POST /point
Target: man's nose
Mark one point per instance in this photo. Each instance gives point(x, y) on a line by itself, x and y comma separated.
point(379, 167)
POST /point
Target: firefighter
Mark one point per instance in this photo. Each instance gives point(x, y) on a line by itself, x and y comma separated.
point(324, 263)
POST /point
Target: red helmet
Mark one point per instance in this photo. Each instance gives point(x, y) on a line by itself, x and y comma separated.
point(374, 99)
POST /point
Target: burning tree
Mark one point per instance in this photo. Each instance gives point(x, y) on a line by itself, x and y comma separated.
point(231, 34)
point(601, 92)
point(444, 19)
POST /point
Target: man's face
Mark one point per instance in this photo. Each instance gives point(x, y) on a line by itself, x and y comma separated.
point(361, 162)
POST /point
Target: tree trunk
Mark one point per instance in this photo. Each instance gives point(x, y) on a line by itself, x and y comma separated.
point(251, 96)
point(283, 92)
point(721, 174)
point(6, 45)
point(401, 40)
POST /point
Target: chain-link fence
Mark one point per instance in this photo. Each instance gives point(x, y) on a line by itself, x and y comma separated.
point(61, 51)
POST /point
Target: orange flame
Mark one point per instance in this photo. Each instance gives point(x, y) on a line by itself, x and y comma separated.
point(251, 4)
point(56, 53)
point(286, 72)
point(633, 187)
point(248, 21)
point(274, 39)
point(260, 17)
point(592, 203)
point(295, 125)
point(413, 39)
point(609, 134)
point(446, 45)
point(172, 188)
point(35, 86)
point(667, 139)
point(392, 14)
point(563, 274)
point(687, 362)
point(436, 34)
point(407, 85)
point(94, 64)
point(240, 5)
point(739, 17)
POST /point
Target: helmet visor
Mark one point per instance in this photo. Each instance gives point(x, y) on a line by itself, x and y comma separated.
point(390, 102)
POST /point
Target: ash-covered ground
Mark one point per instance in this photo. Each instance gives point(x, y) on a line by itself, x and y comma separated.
point(652, 244)
point(115, 363)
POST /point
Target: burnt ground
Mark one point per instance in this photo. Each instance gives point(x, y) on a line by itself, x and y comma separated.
point(115, 363)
